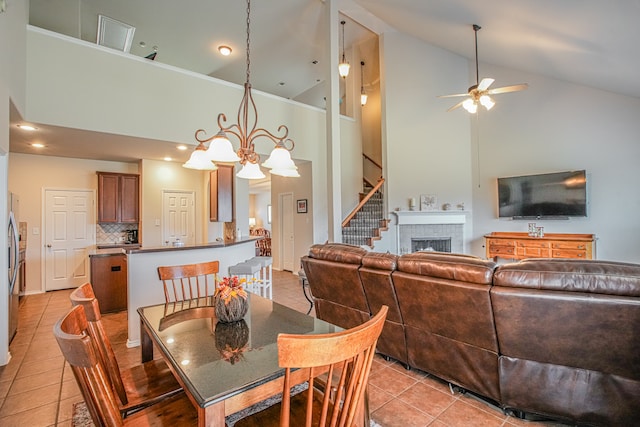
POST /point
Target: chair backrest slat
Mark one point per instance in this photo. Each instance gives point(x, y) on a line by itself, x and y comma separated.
point(348, 354)
point(183, 282)
point(84, 296)
point(79, 351)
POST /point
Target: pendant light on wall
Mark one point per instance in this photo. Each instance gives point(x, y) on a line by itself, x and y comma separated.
point(246, 131)
point(363, 94)
point(343, 67)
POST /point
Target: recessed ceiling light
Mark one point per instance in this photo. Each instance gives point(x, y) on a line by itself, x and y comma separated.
point(225, 50)
point(27, 127)
point(167, 159)
point(37, 145)
point(181, 147)
point(142, 44)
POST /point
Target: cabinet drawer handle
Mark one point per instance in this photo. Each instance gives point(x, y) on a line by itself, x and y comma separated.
point(580, 255)
point(115, 268)
point(580, 246)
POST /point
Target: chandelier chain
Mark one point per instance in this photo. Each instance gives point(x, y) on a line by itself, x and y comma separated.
point(248, 39)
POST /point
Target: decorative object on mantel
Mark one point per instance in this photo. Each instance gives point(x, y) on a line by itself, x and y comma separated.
point(479, 93)
point(428, 202)
point(412, 204)
point(230, 299)
point(221, 150)
point(231, 340)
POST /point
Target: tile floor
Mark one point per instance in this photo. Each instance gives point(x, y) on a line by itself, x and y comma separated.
point(38, 390)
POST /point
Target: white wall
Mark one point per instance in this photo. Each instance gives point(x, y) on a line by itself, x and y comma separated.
point(12, 89)
point(303, 223)
point(556, 126)
point(109, 91)
point(425, 149)
point(158, 176)
point(552, 126)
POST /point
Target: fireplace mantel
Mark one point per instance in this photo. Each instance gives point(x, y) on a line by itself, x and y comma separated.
point(430, 217)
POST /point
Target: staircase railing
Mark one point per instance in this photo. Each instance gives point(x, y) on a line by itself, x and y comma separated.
point(363, 201)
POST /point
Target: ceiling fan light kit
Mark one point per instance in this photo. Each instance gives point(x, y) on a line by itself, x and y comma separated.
point(480, 92)
point(246, 131)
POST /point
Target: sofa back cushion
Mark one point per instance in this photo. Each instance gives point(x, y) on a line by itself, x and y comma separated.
point(332, 273)
point(375, 274)
point(444, 302)
point(448, 294)
point(568, 333)
point(578, 313)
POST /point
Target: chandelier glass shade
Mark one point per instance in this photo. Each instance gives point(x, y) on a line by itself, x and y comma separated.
point(246, 132)
point(343, 67)
point(200, 159)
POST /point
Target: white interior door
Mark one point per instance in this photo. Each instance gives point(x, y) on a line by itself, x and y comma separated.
point(179, 217)
point(69, 231)
point(287, 235)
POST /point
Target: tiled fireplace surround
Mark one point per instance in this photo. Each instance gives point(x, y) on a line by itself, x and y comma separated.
point(430, 225)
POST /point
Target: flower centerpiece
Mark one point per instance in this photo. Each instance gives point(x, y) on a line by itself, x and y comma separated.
point(230, 299)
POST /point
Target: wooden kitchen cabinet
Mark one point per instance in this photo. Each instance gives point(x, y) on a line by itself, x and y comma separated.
point(552, 245)
point(118, 197)
point(109, 281)
point(221, 194)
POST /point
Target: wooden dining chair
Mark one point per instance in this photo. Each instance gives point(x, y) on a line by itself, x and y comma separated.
point(183, 282)
point(338, 363)
point(137, 387)
point(80, 352)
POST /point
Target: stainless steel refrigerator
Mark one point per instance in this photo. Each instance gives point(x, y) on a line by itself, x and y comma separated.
point(14, 260)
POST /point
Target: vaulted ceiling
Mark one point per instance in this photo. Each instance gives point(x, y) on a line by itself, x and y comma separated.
point(589, 42)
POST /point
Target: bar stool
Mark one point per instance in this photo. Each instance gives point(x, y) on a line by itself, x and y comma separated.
point(266, 274)
point(250, 271)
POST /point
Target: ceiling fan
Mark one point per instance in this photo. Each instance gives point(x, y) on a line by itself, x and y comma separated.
point(480, 92)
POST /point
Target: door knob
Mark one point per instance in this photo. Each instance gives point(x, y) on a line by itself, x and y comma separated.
point(49, 245)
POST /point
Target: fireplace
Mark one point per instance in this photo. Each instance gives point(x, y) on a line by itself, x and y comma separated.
point(433, 244)
point(441, 231)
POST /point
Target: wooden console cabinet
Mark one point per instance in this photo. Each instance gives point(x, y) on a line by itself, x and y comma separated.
point(552, 245)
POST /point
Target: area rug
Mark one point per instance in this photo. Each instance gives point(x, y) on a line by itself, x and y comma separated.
point(81, 417)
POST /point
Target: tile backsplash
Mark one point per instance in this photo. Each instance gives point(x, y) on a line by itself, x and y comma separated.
point(107, 234)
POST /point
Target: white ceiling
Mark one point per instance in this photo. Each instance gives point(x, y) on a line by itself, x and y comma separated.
point(590, 42)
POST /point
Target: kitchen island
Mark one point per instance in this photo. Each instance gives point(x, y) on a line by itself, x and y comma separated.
point(144, 286)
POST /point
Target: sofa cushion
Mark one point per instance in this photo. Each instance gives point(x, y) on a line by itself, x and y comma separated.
point(338, 252)
point(464, 268)
point(590, 276)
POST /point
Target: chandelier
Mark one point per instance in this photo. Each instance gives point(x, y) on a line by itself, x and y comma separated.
point(343, 67)
point(246, 131)
point(363, 94)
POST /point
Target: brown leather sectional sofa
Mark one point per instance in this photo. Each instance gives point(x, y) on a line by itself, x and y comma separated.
point(557, 338)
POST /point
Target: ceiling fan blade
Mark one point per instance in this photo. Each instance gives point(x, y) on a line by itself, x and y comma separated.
point(454, 95)
point(506, 89)
point(485, 83)
point(458, 105)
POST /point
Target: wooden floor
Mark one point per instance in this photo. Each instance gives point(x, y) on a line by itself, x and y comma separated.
point(37, 389)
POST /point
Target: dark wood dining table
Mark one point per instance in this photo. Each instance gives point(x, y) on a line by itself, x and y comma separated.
point(224, 368)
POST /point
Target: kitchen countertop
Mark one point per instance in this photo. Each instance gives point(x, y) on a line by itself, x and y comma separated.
point(216, 244)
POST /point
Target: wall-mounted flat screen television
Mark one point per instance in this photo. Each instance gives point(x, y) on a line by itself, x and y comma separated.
point(552, 195)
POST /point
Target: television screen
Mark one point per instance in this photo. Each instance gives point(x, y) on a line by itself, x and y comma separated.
point(561, 194)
